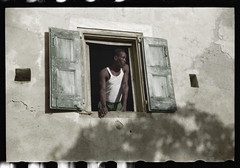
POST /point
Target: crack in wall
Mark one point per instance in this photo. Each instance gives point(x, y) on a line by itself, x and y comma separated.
point(18, 101)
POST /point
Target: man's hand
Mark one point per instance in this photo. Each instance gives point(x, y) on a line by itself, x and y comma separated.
point(102, 112)
point(124, 108)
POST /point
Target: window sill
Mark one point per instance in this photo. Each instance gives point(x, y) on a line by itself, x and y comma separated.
point(111, 114)
point(116, 114)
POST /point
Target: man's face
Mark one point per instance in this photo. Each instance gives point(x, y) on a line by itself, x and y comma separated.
point(121, 59)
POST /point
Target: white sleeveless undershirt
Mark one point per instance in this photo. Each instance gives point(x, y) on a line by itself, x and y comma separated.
point(113, 85)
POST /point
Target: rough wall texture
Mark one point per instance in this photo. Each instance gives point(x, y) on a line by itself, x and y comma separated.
point(201, 41)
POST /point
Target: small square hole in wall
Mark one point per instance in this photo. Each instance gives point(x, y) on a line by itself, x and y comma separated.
point(193, 80)
point(23, 74)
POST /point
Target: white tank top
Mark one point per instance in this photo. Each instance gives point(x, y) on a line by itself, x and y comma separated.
point(113, 87)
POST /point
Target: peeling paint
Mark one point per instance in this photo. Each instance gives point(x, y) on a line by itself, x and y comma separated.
point(224, 32)
point(215, 65)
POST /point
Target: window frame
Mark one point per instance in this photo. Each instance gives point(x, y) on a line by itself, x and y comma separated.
point(116, 37)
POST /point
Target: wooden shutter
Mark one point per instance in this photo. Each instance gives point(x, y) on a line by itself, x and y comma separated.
point(66, 78)
point(159, 84)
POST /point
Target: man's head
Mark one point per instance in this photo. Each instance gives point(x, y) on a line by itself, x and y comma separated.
point(120, 57)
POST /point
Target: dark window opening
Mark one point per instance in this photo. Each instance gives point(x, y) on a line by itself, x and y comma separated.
point(193, 80)
point(101, 56)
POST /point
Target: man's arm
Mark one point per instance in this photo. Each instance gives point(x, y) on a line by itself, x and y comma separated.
point(102, 82)
point(125, 87)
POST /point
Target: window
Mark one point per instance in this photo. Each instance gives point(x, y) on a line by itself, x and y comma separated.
point(101, 56)
point(76, 58)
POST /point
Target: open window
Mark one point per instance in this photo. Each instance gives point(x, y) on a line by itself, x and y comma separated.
point(76, 58)
point(101, 56)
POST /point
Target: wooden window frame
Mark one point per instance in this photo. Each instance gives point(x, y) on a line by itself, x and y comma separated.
point(115, 37)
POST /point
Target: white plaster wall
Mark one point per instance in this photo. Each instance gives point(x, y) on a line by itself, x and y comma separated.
point(201, 41)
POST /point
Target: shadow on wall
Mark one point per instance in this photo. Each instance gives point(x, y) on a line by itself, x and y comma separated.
point(160, 139)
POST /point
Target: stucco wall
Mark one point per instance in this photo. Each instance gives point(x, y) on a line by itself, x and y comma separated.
point(201, 41)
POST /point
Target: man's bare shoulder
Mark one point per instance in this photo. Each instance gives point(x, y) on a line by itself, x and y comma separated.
point(126, 68)
point(104, 73)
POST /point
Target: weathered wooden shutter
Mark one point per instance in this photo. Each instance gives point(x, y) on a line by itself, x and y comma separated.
point(66, 78)
point(159, 84)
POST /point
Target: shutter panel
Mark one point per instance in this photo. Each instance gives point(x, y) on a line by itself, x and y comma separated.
point(66, 78)
point(159, 84)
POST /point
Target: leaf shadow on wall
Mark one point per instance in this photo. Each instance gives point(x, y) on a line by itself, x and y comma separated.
point(168, 137)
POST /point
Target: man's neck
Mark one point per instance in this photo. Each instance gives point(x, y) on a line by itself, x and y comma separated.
point(115, 68)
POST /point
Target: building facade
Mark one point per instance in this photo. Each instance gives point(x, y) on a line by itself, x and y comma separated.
point(199, 45)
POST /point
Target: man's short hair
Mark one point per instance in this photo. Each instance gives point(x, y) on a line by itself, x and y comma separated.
point(118, 51)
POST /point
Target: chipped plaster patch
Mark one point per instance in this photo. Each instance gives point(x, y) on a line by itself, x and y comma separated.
point(118, 125)
point(224, 32)
point(226, 41)
point(215, 65)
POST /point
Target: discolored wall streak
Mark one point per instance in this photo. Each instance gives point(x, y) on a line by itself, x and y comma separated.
point(200, 41)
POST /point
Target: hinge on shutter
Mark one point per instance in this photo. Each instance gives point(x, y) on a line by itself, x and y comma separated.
point(77, 105)
point(56, 102)
point(82, 111)
point(77, 108)
point(54, 41)
point(165, 51)
point(139, 38)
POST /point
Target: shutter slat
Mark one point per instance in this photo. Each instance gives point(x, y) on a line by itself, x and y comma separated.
point(159, 84)
point(66, 84)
